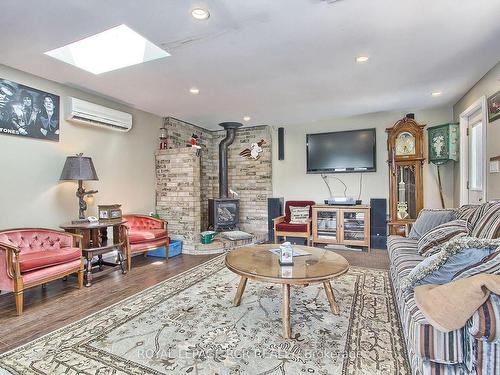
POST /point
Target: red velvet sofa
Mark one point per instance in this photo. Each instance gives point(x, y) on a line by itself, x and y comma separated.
point(145, 233)
point(31, 257)
point(283, 227)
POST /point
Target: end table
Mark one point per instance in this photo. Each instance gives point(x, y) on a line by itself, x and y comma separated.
point(95, 243)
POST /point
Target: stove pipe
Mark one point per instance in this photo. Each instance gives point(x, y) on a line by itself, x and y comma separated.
point(230, 128)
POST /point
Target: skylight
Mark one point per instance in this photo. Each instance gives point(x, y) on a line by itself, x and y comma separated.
point(112, 49)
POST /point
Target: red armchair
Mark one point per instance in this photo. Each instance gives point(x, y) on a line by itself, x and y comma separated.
point(283, 227)
point(145, 233)
point(31, 257)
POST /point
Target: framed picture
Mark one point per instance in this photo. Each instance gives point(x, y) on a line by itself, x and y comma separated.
point(28, 112)
point(494, 107)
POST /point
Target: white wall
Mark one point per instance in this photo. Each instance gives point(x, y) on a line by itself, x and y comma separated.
point(487, 86)
point(291, 181)
point(30, 192)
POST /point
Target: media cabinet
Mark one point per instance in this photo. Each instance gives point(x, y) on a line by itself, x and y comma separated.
point(342, 225)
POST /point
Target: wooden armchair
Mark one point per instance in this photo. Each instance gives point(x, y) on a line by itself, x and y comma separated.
point(31, 257)
point(145, 233)
point(283, 227)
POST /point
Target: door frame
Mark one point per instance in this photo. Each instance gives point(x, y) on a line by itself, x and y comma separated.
point(479, 104)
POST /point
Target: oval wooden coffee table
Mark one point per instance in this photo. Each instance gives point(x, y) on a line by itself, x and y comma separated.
point(258, 263)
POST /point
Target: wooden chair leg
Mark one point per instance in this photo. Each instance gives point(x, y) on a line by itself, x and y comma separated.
point(275, 237)
point(166, 251)
point(19, 302)
point(129, 262)
point(80, 278)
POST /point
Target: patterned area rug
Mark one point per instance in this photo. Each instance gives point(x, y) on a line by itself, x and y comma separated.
point(187, 325)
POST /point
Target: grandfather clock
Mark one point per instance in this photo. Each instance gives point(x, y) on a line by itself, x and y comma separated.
point(405, 146)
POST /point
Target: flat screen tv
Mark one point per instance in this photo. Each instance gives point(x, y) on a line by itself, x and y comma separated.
point(342, 152)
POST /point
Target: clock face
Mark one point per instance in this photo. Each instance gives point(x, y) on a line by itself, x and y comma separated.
point(405, 144)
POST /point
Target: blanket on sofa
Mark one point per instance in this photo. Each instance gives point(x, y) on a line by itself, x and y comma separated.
point(448, 307)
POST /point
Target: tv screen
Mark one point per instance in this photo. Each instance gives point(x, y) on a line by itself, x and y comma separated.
point(347, 151)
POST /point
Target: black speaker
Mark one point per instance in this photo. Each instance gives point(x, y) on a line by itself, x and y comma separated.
point(274, 209)
point(281, 143)
point(378, 223)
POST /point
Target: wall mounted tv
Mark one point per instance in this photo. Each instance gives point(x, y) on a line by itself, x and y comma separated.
point(342, 152)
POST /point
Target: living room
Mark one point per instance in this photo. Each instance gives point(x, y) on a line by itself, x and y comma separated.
point(254, 194)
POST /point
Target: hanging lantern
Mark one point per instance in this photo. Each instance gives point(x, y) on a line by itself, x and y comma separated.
point(163, 138)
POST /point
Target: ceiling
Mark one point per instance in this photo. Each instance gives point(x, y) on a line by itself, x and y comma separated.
point(282, 62)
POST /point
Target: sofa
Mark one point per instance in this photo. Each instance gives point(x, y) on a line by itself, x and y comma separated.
point(31, 257)
point(144, 233)
point(473, 349)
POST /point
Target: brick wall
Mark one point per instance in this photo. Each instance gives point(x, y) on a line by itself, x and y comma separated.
point(178, 192)
point(251, 179)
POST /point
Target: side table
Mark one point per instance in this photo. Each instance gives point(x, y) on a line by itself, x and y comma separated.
point(95, 243)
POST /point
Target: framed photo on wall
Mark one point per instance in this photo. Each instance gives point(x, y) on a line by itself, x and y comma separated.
point(494, 107)
point(28, 112)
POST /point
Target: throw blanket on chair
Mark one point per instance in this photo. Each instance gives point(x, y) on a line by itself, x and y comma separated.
point(448, 307)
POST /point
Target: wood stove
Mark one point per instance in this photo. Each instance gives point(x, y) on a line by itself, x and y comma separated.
point(224, 212)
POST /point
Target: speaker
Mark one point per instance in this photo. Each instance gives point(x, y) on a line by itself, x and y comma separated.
point(274, 209)
point(378, 223)
point(281, 143)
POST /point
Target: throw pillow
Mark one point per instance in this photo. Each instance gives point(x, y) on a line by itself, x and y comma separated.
point(489, 264)
point(488, 225)
point(454, 256)
point(299, 215)
point(428, 219)
point(470, 213)
point(431, 242)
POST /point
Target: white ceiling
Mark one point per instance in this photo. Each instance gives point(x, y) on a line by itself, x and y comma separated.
point(282, 62)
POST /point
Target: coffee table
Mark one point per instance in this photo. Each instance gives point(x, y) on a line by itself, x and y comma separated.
point(258, 263)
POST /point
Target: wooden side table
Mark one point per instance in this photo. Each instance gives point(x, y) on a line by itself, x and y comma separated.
point(95, 243)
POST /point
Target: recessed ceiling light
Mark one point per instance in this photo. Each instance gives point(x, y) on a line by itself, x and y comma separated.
point(436, 93)
point(194, 90)
point(362, 59)
point(247, 118)
point(200, 14)
point(110, 50)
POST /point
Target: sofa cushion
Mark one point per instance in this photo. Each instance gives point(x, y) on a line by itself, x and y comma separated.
point(34, 260)
point(428, 219)
point(287, 227)
point(136, 236)
point(431, 241)
point(455, 255)
point(488, 225)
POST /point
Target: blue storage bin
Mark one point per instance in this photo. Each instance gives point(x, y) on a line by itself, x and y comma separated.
point(174, 249)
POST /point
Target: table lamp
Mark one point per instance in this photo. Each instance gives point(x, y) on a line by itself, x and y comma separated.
point(80, 168)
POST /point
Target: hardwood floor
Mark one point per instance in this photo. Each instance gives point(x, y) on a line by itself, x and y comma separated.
point(62, 303)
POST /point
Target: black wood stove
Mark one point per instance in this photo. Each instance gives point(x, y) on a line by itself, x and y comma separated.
point(224, 212)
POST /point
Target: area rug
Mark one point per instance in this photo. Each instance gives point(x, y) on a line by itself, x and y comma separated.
point(188, 325)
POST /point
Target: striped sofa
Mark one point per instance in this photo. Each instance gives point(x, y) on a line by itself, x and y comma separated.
point(474, 349)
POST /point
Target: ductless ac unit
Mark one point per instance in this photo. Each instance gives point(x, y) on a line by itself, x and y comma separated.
point(86, 113)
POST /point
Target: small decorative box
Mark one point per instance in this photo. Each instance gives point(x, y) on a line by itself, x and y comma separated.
point(286, 254)
point(110, 212)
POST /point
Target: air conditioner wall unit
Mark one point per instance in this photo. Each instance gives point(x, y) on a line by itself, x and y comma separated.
point(86, 113)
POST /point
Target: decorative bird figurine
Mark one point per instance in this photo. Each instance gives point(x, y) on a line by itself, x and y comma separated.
point(254, 151)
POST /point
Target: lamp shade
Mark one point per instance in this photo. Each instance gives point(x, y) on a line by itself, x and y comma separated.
point(78, 168)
